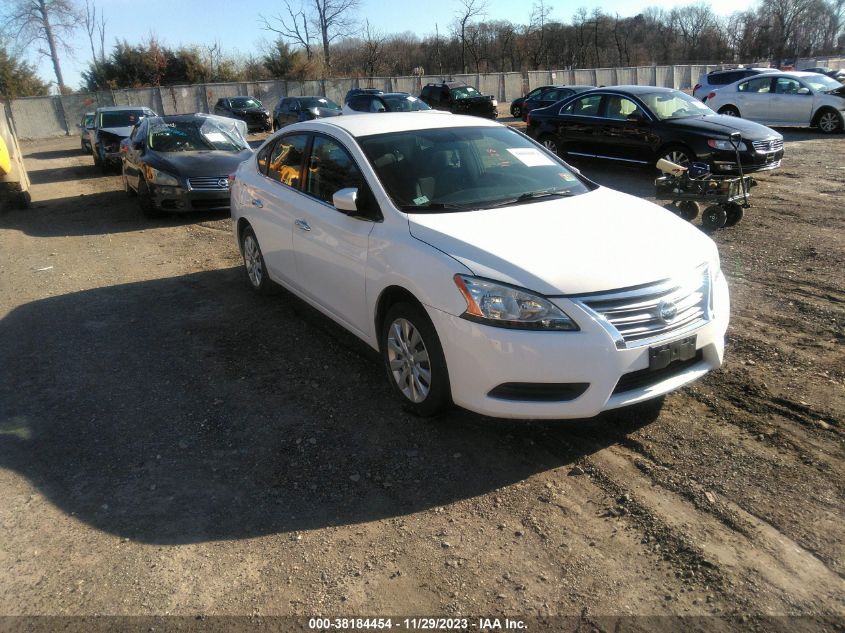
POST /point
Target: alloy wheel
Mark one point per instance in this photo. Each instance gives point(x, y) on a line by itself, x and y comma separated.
point(252, 261)
point(550, 144)
point(678, 157)
point(829, 122)
point(409, 361)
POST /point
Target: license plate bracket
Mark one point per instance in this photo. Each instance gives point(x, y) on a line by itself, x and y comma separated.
point(660, 356)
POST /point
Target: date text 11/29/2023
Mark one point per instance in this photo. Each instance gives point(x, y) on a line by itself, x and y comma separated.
point(416, 624)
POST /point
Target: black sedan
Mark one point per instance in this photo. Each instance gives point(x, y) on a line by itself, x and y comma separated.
point(295, 109)
point(247, 109)
point(641, 124)
point(516, 104)
point(550, 96)
point(182, 162)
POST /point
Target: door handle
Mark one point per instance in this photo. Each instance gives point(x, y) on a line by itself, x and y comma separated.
point(257, 203)
point(302, 224)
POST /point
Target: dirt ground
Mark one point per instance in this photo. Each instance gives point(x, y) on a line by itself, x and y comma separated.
point(172, 444)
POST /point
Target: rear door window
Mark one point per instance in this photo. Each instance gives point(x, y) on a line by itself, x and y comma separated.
point(758, 84)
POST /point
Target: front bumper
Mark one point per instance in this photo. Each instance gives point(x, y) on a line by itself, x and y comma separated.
point(481, 358)
point(724, 162)
point(178, 200)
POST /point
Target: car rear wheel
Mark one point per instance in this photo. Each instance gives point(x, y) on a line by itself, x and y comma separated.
point(256, 269)
point(516, 111)
point(829, 121)
point(550, 144)
point(729, 110)
point(414, 360)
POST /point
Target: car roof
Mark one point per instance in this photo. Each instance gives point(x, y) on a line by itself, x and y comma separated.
point(119, 108)
point(634, 90)
point(733, 70)
point(359, 125)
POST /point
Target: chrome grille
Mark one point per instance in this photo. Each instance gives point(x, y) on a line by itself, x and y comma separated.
point(658, 311)
point(209, 183)
point(769, 145)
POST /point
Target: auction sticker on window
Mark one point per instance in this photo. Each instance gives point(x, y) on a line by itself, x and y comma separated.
point(530, 157)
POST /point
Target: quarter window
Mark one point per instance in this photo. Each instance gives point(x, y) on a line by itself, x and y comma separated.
point(286, 159)
point(330, 169)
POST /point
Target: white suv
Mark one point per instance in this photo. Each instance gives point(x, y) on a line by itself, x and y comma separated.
point(485, 270)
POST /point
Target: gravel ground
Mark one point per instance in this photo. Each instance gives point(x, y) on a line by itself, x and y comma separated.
point(171, 444)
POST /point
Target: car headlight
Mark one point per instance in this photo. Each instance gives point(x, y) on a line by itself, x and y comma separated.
point(500, 305)
point(725, 145)
point(495, 103)
point(160, 178)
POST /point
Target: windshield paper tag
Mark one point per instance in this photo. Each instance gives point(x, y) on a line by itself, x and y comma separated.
point(420, 201)
point(530, 157)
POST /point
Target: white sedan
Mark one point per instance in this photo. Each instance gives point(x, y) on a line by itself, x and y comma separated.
point(486, 271)
point(784, 99)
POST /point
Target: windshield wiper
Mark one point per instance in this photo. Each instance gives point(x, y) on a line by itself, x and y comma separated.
point(436, 206)
point(531, 196)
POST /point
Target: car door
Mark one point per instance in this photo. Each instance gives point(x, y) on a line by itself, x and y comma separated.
point(579, 124)
point(753, 98)
point(331, 246)
point(274, 197)
point(625, 132)
point(787, 105)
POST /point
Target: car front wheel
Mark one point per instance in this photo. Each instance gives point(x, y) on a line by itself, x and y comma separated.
point(550, 144)
point(516, 111)
point(414, 360)
point(829, 122)
point(678, 155)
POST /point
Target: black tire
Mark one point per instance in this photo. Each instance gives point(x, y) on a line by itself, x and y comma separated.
point(550, 143)
point(734, 213)
point(678, 154)
point(145, 200)
point(421, 395)
point(829, 121)
point(686, 209)
point(729, 110)
point(254, 266)
point(714, 217)
point(24, 200)
point(516, 111)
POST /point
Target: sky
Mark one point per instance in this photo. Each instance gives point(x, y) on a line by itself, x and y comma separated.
point(237, 27)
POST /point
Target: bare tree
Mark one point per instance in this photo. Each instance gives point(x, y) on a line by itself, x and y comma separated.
point(469, 9)
point(785, 16)
point(538, 45)
point(47, 23)
point(373, 48)
point(331, 19)
point(97, 29)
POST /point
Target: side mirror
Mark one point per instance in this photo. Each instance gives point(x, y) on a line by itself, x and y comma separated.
point(735, 137)
point(803, 91)
point(346, 200)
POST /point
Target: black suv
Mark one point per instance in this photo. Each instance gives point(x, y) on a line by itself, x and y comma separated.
point(247, 109)
point(459, 98)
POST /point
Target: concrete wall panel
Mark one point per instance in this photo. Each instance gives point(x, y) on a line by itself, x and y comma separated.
point(38, 117)
point(513, 86)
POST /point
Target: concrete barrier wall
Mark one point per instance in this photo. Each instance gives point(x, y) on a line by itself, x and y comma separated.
point(42, 117)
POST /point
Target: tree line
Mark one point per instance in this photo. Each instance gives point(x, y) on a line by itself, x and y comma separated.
point(329, 38)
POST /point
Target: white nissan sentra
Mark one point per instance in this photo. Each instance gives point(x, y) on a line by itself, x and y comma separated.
point(485, 270)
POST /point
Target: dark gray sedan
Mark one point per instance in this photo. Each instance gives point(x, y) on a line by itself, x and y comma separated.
point(182, 162)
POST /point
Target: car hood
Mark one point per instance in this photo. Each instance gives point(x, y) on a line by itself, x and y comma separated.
point(838, 92)
point(598, 241)
point(722, 124)
point(122, 132)
point(197, 164)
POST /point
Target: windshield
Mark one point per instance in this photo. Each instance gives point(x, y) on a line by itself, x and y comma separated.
point(821, 83)
point(319, 102)
point(245, 103)
point(674, 105)
point(121, 118)
point(464, 92)
point(199, 135)
point(461, 169)
point(402, 103)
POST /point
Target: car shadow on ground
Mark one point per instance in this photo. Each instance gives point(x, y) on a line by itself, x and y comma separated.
point(64, 174)
point(58, 153)
point(101, 213)
point(188, 409)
